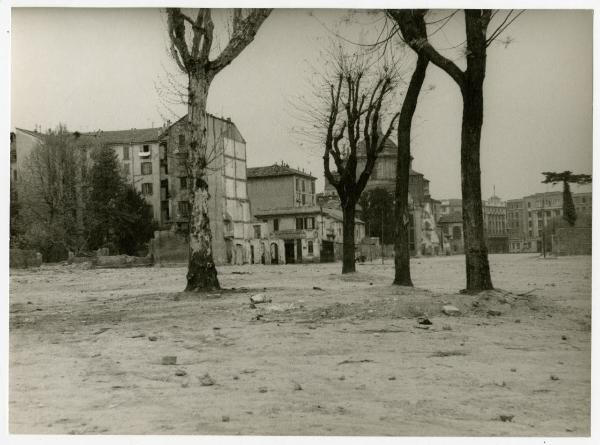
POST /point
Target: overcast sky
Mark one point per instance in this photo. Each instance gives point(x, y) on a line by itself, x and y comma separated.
point(98, 69)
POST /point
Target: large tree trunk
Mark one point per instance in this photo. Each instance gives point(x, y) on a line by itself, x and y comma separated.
point(401, 220)
point(348, 256)
point(478, 268)
point(202, 273)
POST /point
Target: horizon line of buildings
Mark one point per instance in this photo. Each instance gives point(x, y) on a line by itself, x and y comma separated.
point(273, 214)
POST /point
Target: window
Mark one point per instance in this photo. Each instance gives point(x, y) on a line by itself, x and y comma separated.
point(125, 153)
point(183, 182)
point(303, 186)
point(456, 232)
point(147, 188)
point(299, 224)
point(256, 231)
point(145, 150)
point(276, 224)
point(146, 168)
point(15, 175)
point(181, 142)
point(310, 247)
point(303, 198)
point(583, 199)
point(126, 169)
point(184, 208)
point(297, 184)
point(312, 187)
point(309, 223)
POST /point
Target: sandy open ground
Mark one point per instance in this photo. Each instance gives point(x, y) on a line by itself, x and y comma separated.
point(346, 358)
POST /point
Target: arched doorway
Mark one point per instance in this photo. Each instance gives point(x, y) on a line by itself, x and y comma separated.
point(274, 253)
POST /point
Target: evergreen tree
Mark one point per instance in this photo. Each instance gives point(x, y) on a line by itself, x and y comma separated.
point(378, 214)
point(566, 177)
point(135, 222)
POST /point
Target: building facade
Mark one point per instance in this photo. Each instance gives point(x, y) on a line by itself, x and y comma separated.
point(423, 231)
point(284, 198)
point(528, 216)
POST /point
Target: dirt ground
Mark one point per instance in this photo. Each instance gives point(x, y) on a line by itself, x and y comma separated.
point(330, 355)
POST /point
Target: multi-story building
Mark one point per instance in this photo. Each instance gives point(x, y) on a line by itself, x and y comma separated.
point(229, 206)
point(452, 236)
point(284, 198)
point(528, 216)
point(423, 234)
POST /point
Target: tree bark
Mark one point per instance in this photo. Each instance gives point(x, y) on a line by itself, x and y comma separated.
point(401, 212)
point(477, 265)
point(202, 273)
point(348, 255)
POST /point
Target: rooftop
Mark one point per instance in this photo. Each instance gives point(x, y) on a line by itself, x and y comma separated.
point(275, 170)
point(454, 217)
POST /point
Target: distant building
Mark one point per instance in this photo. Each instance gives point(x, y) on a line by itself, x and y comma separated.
point(423, 233)
point(528, 216)
point(284, 198)
point(452, 236)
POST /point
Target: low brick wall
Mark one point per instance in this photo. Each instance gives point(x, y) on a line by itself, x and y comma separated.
point(22, 259)
point(573, 241)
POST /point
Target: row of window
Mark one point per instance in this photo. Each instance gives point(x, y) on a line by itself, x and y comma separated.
point(144, 151)
point(305, 223)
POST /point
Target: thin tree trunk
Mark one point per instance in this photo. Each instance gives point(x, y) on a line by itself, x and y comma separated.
point(478, 268)
point(348, 256)
point(202, 273)
point(401, 220)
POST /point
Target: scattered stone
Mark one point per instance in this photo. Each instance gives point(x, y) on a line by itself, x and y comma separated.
point(317, 288)
point(216, 328)
point(506, 418)
point(513, 369)
point(475, 303)
point(152, 338)
point(252, 306)
point(564, 337)
point(180, 373)
point(259, 298)
point(96, 355)
point(450, 310)
point(569, 430)
point(493, 313)
point(370, 284)
point(100, 331)
point(392, 378)
point(206, 380)
point(235, 377)
point(553, 377)
point(297, 386)
point(258, 316)
point(138, 335)
point(29, 302)
point(421, 327)
point(169, 360)
point(517, 321)
point(424, 321)
point(224, 418)
point(262, 389)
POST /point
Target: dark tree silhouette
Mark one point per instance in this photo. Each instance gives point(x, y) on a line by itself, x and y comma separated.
point(354, 102)
point(413, 28)
point(191, 45)
point(566, 177)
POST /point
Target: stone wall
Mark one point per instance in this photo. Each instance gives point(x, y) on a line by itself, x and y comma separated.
point(573, 241)
point(22, 259)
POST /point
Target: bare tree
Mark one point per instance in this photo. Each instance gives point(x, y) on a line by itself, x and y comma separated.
point(191, 44)
point(413, 27)
point(566, 177)
point(357, 91)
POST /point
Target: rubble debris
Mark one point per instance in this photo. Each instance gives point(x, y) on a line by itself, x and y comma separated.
point(259, 298)
point(553, 377)
point(564, 337)
point(138, 335)
point(513, 369)
point(392, 378)
point(421, 327)
point(355, 361)
point(317, 288)
point(424, 321)
point(169, 360)
point(252, 306)
point(450, 310)
point(206, 380)
point(262, 389)
point(506, 418)
point(152, 338)
point(297, 386)
point(180, 373)
point(493, 312)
